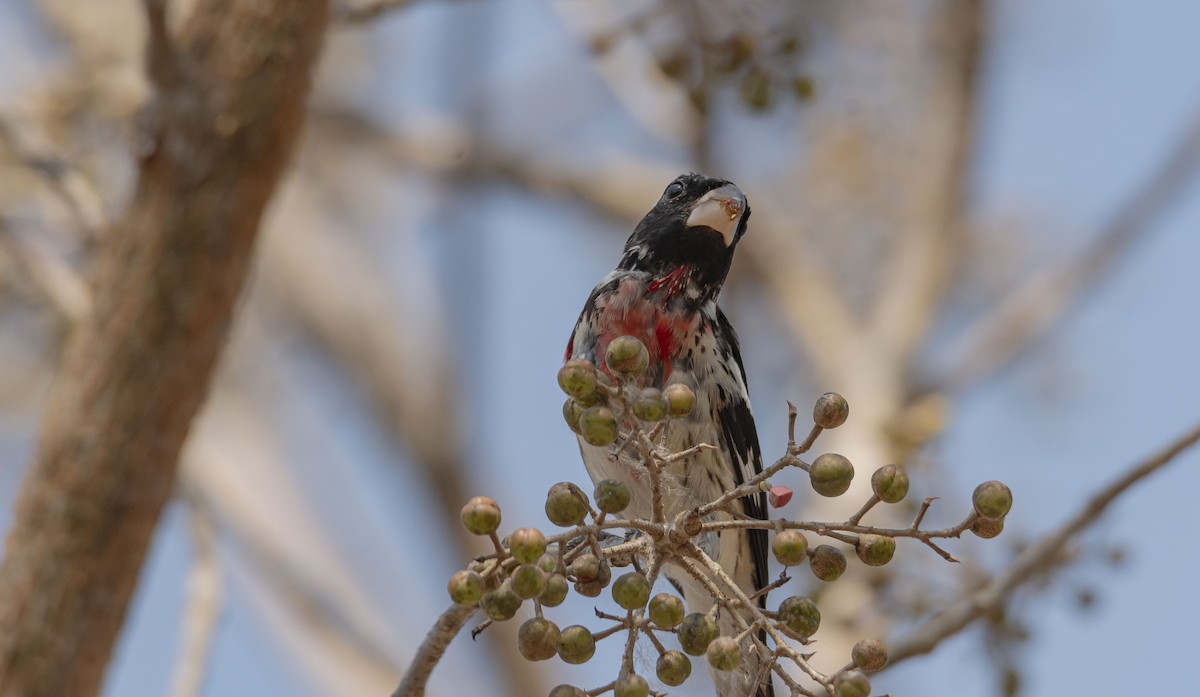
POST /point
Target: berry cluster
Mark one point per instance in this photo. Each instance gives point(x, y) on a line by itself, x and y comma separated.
point(529, 566)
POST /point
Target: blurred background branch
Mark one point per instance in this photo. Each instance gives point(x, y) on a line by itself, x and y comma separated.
point(931, 184)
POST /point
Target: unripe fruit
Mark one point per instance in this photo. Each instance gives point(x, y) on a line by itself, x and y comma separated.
point(586, 567)
point(681, 400)
point(501, 604)
point(666, 610)
point(528, 581)
point(852, 683)
point(626, 356)
point(576, 645)
point(890, 484)
point(481, 516)
point(992, 499)
point(548, 562)
point(827, 563)
point(612, 496)
point(831, 410)
point(831, 474)
point(673, 668)
point(631, 591)
point(869, 654)
point(598, 426)
point(556, 591)
point(987, 528)
point(466, 587)
point(566, 505)
point(589, 589)
point(577, 377)
point(571, 413)
point(790, 547)
point(800, 615)
point(527, 545)
point(875, 550)
point(696, 632)
point(649, 405)
point(567, 691)
point(538, 639)
point(632, 685)
point(724, 653)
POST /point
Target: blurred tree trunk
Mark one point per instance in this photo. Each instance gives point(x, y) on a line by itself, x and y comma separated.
point(230, 101)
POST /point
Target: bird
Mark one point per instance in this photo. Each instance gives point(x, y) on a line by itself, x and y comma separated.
point(664, 292)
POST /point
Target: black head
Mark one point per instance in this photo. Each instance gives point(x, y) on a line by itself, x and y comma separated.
point(697, 223)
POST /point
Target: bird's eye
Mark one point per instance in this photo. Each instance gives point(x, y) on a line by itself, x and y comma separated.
point(674, 191)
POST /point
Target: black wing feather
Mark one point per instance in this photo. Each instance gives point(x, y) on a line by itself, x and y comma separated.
point(740, 438)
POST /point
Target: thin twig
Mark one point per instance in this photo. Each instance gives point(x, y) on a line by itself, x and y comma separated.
point(1037, 557)
point(430, 652)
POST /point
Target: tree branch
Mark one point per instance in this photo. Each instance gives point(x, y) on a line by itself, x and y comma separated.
point(1038, 557)
point(1034, 308)
point(138, 368)
point(431, 650)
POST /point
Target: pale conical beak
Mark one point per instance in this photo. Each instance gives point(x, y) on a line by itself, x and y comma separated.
point(720, 209)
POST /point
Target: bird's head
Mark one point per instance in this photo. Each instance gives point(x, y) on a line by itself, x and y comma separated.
point(695, 225)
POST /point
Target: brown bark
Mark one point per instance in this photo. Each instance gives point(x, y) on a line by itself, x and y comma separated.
point(230, 101)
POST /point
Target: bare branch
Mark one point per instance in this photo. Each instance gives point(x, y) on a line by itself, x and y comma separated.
point(452, 620)
point(1037, 558)
point(929, 249)
point(138, 367)
point(204, 602)
point(1034, 308)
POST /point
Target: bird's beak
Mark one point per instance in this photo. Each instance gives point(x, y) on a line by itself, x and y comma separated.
point(720, 209)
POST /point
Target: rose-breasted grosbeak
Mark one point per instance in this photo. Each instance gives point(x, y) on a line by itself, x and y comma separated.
point(664, 292)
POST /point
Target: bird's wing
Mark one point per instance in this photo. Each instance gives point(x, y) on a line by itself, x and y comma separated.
point(739, 440)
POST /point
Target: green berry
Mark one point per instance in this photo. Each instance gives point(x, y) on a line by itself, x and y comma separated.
point(501, 604)
point(566, 505)
point(556, 591)
point(548, 562)
point(681, 400)
point(538, 639)
point(696, 632)
point(992, 499)
point(576, 644)
point(827, 563)
point(631, 591)
point(481, 516)
point(831, 474)
point(790, 547)
point(626, 356)
point(577, 378)
point(800, 615)
point(572, 410)
point(632, 685)
point(852, 683)
point(565, 690)
point(649, 405)
point(890, 484)
point(586, 567)
point(724, 653)
point(869, 654)
point(466, 587)
point(612, 496)
point(987, 528)
point(875, 550)
point(528, 581)
point(666, 610)
point(831, 410)
point(673, 668)
point(527, 545)
point(598, 426)
point(589, 589)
